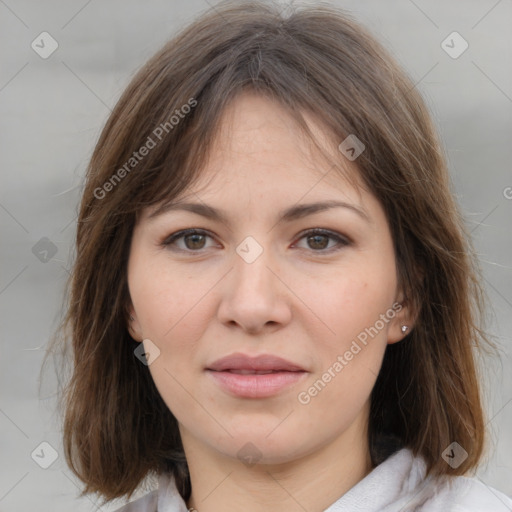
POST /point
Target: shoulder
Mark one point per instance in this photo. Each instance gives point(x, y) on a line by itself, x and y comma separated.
point(165, 498)
point(463, 494)
point(147, 503)
point(407, 489)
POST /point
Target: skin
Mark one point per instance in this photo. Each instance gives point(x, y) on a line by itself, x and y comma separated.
point(300, 300)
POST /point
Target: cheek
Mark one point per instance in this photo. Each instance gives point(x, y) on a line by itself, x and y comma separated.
point(167, 303)
point(351, 356)
point(170, 313)
point(349, 306)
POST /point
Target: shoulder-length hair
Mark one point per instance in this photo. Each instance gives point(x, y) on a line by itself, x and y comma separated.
point(317, 60)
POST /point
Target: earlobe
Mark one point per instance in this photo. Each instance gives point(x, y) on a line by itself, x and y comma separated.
point(404, 330)
point(398, 332)
point(402, 324)
point(133, 326)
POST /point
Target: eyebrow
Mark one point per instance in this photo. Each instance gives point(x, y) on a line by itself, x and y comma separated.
point(288, 215)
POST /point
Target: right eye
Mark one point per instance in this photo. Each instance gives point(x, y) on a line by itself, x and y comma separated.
point(194, 240)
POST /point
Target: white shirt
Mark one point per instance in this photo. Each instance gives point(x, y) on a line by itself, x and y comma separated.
point(396, 485)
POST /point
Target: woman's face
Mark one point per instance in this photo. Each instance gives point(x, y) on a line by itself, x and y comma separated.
point(257, 286)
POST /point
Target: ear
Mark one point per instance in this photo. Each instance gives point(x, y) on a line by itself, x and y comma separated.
point(133, 324)
point(405, 314)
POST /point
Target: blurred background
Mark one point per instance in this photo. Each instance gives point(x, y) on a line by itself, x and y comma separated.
point(64, 65)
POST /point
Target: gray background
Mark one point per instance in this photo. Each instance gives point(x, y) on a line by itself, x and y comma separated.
point(52, 111)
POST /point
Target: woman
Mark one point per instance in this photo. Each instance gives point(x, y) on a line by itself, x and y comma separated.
point(274, 302)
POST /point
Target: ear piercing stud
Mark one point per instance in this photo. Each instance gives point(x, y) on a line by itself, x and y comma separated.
point(404, 328)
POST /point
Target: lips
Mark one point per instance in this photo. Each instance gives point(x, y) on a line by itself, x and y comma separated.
point(262, 376)
point(259, 365)
point(253, 372)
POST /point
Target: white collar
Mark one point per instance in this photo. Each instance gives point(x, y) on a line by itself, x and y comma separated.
point(397, 476)
point(397, 484)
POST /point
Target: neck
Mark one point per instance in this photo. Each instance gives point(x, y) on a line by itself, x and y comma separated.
point(311, 483)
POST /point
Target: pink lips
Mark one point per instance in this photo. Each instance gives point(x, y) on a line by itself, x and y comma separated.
point(255, 377)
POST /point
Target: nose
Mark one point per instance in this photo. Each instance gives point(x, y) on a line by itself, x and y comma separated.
point(254, 296)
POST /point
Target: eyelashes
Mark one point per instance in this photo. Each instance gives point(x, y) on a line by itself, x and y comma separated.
point(196, 237)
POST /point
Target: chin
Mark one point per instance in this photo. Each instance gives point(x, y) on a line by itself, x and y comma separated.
point(258, 447)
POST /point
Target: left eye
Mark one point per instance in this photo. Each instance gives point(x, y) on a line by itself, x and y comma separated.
point(194, 240)
point(319, 240)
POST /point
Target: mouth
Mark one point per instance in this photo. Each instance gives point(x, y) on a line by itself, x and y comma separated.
point(262, 363)
point(253, 372)
point(263, 376)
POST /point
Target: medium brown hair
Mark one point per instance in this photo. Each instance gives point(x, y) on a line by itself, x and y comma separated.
point(317, 60)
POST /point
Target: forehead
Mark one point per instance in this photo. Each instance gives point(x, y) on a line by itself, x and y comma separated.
point(259, 143)
point(260, 153)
